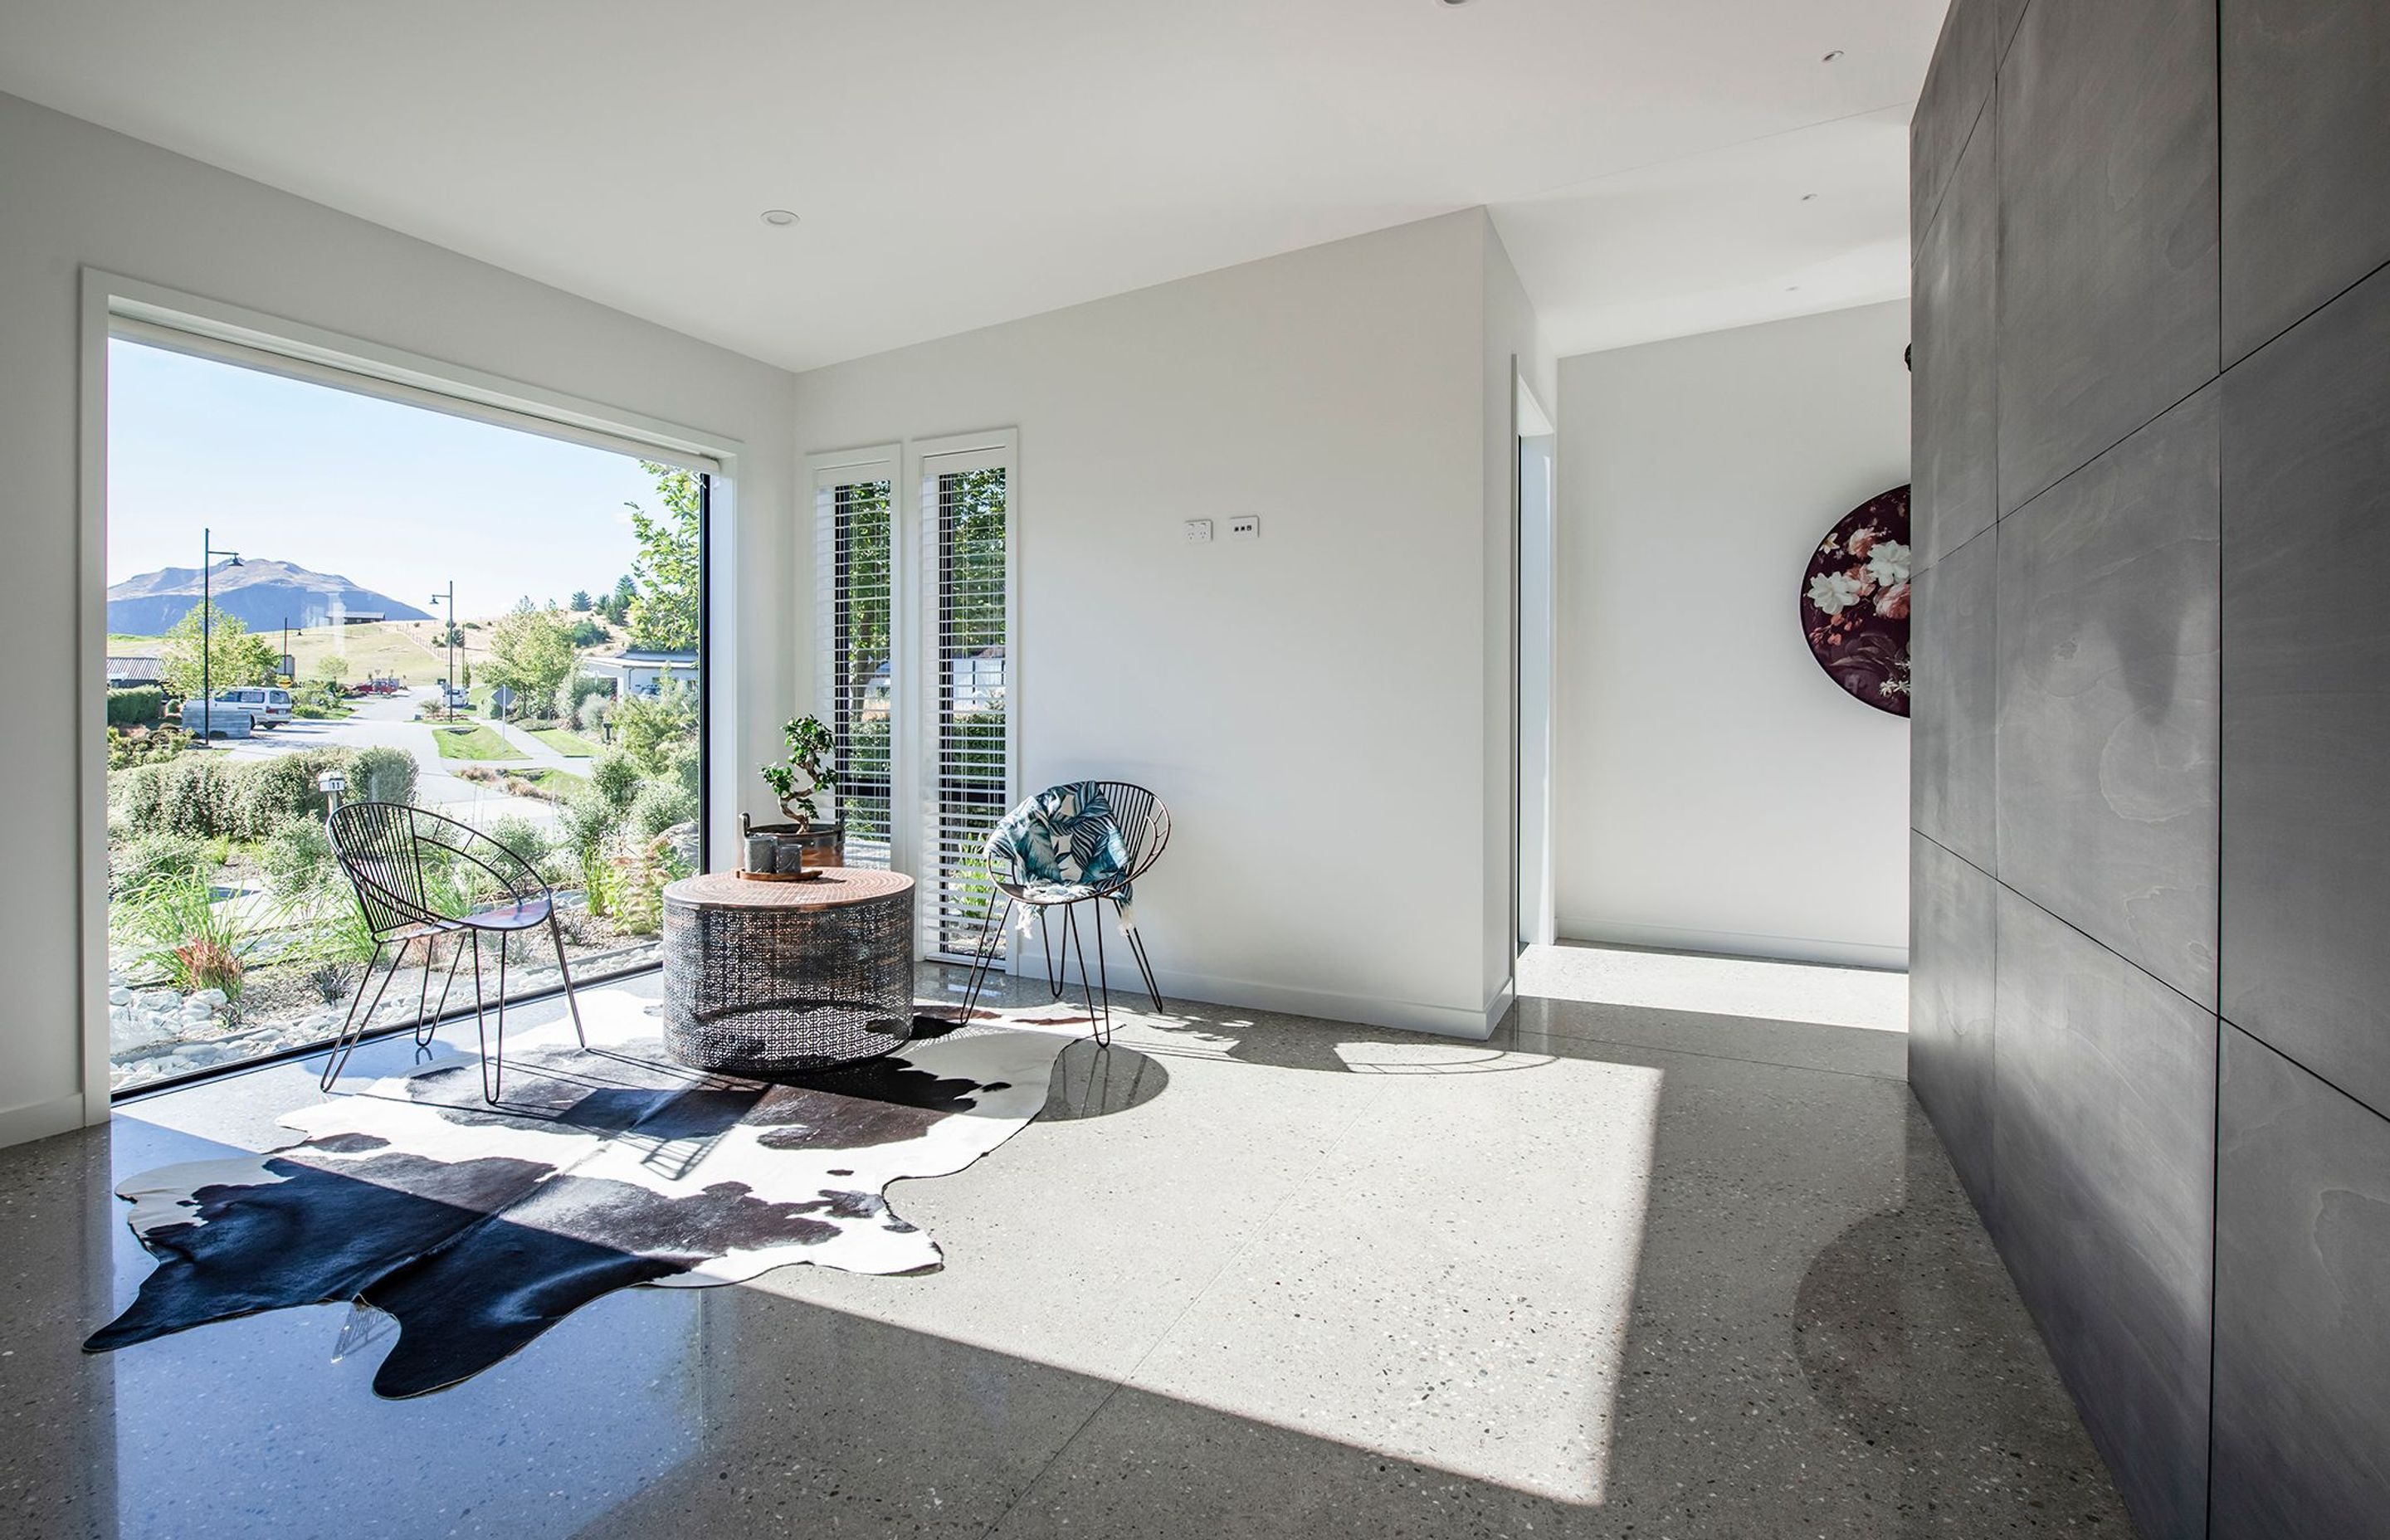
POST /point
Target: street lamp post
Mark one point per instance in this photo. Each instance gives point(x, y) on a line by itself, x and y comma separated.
point(448, 647)
point(208, 553)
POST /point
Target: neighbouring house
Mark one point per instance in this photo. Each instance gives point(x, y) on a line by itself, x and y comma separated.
point(131, 672)
point(641, 671)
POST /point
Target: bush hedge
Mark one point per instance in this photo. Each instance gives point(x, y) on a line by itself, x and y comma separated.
point(138, 707)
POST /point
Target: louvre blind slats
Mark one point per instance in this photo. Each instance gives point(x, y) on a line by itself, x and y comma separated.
point(966, 589)
point(857, 659)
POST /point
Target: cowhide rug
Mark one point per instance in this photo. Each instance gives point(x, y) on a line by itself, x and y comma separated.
point(477, 1229)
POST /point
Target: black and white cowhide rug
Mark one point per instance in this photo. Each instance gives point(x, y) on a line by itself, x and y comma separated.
point(477, 1229)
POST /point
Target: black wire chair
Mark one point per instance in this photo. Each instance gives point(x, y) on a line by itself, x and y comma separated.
point(388, 851)
point(1143, 825)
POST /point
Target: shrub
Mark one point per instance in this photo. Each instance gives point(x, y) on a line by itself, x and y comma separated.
point(527, 839)
point(131, 746)
point(659, 806)
point(646, 722)
point(383, 775)
point(179, 931)
point(615, 776)
point(298, 861)
point(191, 796)
point(143, 859)
point(138, 707)
point(586, 821)
point(283, 791)
point(680, 761)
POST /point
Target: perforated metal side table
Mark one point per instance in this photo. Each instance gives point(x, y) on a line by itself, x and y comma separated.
point(769, 979)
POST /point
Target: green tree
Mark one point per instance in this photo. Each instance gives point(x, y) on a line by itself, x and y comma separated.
point(531, 653)
point(581, 601)
point(235, 656)
point(663, 610)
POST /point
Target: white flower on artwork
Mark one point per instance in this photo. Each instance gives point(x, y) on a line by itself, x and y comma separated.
point(1834, 592)
point(1888, 562)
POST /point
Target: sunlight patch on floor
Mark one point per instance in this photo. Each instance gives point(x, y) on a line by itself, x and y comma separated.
point(1718, 986)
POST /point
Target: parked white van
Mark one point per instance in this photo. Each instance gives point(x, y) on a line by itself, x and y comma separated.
point(269, 704)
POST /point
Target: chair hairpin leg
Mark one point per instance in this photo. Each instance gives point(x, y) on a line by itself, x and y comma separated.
point(1087, 986)
point(1144, 965)
point(983, 962)
point(557, 932)
point(344, 1042)
point(1057, 976)
point(426, 1025)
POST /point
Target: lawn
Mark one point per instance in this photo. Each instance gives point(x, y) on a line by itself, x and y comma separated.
point(474, 741)
point(566, 741)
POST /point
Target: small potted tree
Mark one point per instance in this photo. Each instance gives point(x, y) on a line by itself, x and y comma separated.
point(799, 847)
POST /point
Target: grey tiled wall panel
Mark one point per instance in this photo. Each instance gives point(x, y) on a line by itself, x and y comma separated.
point(1952, 701)
point(2103, 1140)
point(1957, 83)
point(2306, 158)
point(2306, 693)
point(2302, 1342)
point(2108, 285)
point(2107, 626)
point(1954, 446)
point(1950, 1042)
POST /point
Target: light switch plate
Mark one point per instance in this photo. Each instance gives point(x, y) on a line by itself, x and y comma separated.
point(1198, 531)
point(1246, 527)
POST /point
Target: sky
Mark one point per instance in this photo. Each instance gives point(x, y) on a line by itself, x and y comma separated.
point(396, 498)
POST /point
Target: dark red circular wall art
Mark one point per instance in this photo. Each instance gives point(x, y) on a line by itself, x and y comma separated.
point(1855, 602)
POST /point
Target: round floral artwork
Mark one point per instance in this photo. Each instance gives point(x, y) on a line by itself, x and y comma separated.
point(1855, 602)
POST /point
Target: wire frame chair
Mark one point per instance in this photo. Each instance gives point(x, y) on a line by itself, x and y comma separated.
point(1143, 823)
point(392, 854)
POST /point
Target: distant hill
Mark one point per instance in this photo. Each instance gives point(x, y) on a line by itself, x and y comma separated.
point(265, 594)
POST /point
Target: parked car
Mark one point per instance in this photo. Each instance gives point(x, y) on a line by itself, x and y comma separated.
point(269, 704)
point(223, 720)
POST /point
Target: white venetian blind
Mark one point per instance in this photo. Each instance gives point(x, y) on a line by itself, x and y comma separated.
point(857, 659)
point(967, 592)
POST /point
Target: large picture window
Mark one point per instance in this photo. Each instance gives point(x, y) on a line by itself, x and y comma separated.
point(319, 595)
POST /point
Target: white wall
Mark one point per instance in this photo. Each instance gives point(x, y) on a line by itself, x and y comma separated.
point(1312, 706)
point(73, 194)
point(1715, 789)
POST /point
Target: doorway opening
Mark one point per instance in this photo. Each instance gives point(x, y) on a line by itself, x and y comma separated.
point(1536, 643)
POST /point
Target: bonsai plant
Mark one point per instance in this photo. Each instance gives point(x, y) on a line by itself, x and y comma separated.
point(807, 772)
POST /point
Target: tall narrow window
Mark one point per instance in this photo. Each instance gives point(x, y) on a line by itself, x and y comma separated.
point(967, 611)
point(854, 504)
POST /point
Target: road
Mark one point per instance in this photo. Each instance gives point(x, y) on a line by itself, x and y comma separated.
point(388, 722)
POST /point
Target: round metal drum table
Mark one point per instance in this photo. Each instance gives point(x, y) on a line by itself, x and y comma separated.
point(770, 979)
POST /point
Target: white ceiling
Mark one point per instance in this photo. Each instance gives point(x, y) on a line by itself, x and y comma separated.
point(960, 162)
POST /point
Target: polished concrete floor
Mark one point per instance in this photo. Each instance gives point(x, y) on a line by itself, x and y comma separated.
point(1641, 1266)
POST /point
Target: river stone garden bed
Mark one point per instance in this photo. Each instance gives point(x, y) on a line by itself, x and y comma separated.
point(155, 1032)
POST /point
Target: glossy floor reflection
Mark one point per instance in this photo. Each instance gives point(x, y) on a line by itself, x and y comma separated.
point(1622, 1271)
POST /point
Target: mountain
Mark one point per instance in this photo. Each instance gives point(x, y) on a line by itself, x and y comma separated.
point(265, 594)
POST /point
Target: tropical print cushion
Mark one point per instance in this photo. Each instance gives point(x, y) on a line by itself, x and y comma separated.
point(1063, 845)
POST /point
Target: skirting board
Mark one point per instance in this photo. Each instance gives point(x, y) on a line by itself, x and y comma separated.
point(40, 1120)
point(1737, 944)
point(1459, 1022)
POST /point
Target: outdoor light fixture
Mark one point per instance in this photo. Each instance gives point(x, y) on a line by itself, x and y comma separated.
point(208, 553)
point(782, 217)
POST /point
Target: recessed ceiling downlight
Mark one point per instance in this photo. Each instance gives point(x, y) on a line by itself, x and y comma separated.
point(778, 217)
